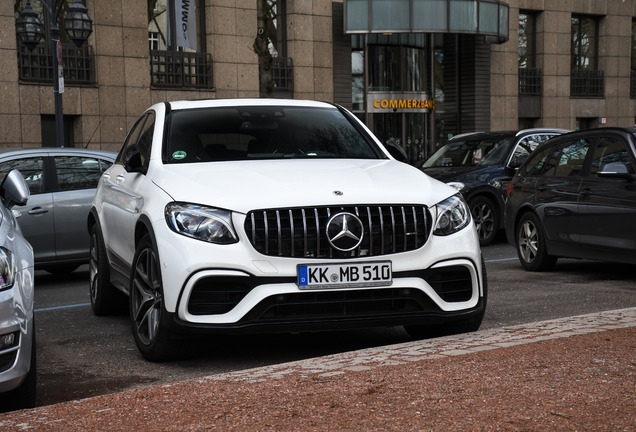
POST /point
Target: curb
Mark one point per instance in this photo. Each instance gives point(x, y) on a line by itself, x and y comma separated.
point(448, 346)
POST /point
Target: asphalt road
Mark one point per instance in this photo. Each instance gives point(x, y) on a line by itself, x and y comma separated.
point(81, 355)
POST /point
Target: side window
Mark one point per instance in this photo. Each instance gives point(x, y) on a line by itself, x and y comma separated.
point(572, 158)
point(145, 138)
point(32, 169)
point(78, 172)
point(131, 140)
point(539, 161)
point(524, 147)
point(611, 150)
point(139, 138)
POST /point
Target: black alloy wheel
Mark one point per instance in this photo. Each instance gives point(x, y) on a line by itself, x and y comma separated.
point(531, 244)
point(103, 294)
point(486, 216)
point(153, 339)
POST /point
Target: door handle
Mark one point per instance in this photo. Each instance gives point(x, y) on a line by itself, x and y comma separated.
point(37, 211)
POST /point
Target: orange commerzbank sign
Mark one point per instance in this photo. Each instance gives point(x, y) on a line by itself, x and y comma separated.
point(402, 104)
point(399, 102)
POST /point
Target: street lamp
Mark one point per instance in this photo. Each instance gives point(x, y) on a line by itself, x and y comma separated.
point(30, 31)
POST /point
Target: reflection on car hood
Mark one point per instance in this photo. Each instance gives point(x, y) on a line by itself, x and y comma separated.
point(451, 173)
point(246, 185)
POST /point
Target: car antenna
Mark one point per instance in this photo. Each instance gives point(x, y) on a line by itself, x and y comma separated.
point(93, 134)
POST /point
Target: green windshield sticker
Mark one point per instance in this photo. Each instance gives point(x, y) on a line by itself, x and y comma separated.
point(179, 155)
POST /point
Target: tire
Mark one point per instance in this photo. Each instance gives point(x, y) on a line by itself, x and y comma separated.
point(472, 324)
point(103, 294)
point(147, 311)
point(531, 244)
point(62, 269)
point(487, 219)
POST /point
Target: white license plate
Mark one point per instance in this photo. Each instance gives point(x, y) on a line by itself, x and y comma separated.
point(344, 275)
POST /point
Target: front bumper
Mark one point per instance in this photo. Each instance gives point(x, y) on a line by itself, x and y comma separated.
point(232, 288)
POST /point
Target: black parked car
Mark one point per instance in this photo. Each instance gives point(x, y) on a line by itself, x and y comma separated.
point(575, 197)
point(480, 165)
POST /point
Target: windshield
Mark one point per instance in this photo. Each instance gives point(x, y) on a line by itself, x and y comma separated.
point(243, 133)
point(488, 151)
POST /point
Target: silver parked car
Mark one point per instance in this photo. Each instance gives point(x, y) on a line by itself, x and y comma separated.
point(17, 331)
point(62, 183)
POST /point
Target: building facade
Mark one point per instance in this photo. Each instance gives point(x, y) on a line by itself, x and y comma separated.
point(416, 71)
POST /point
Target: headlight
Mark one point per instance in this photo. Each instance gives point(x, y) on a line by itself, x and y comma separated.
point(7, 269)
point(203, 223)
point(457, 185)
point(453, 215)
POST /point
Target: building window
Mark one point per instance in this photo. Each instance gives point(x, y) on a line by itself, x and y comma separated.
point(153, 40)
point(530, 76)
point(633, 69)
point(276, 69)
point(176, 32)
point(397, 62)
point(357, 73)
point(586, 79)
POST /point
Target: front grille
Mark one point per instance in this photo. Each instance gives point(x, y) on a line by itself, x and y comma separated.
point(301, 232)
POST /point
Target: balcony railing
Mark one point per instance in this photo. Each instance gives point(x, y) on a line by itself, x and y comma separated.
point(179, 69)
point(530, 81)
point(283, 74)
point(587, 84)
point(37, 65)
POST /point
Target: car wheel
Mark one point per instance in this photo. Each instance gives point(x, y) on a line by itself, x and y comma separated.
point(153, 339)
point(486, 216)
point(102, 292)
point(424, 331)
point(531, 244)
point(62, 269)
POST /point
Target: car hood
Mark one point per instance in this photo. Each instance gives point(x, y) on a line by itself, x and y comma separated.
point(246, 185)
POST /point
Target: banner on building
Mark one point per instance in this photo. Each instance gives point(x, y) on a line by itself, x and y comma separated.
point(186, 23)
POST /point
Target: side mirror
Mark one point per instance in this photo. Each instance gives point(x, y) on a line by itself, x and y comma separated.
point(133, 162)
point(14, 190)
point(615, 170)
point(396, 150)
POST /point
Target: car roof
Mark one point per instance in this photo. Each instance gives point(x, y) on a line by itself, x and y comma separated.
point(507, 133)
point(596, 131)
point(10, 152)
point(205, 103)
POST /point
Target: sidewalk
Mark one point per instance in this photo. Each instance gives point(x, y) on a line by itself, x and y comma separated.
point(577, 373)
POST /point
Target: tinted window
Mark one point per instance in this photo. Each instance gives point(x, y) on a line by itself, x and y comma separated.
point(79, 172)
point(538, 161)
point(569, 160)
point(216, 134)
point(611, 150)
point(131, 140)
point(32, 169)
point(526, 146)
point(486, 151)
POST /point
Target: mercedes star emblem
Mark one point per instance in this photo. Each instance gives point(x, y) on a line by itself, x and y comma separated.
point(345, 231)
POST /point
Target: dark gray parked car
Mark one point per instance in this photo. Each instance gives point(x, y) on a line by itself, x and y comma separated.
point(62, 182)
point(575, 197)
point(480, 165)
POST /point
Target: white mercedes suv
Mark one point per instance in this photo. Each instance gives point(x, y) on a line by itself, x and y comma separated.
point(257, 215)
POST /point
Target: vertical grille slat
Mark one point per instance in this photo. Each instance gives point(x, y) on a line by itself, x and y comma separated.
point(301, 232)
